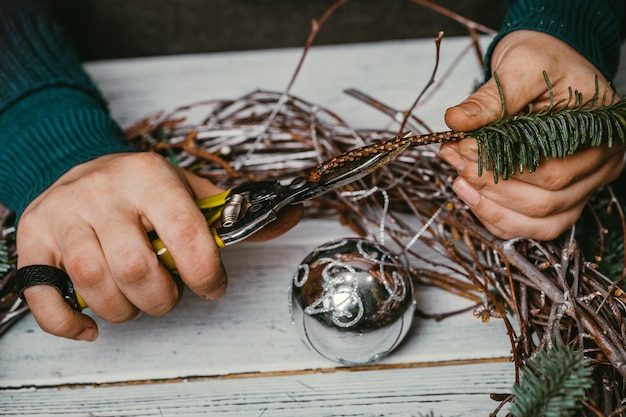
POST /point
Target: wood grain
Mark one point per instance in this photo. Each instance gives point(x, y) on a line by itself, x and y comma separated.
point(241, 355)
point(461, 390)
point(248, 330)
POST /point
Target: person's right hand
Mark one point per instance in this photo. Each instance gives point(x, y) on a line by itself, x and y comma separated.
point(93, 222)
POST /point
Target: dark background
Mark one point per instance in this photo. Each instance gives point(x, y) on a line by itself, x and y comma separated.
point(105, 29)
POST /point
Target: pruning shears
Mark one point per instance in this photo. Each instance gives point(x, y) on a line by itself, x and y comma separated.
point(235, 214)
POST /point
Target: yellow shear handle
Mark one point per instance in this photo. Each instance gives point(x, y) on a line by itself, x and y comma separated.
point(80, 301)
point(212, 209)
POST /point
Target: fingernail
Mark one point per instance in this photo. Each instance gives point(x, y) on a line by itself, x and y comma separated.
point(466, 192)
point(453, 158)
point(88, 335)
point(216, 293)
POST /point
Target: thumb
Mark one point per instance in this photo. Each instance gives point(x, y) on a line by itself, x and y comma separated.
point(485, 104)
point(482, 107)
point(201, 187)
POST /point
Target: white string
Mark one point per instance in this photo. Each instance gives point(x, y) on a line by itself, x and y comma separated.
point(361, 194)
point(424, 227)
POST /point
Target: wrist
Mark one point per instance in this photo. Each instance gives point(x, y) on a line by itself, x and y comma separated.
point(46, 134)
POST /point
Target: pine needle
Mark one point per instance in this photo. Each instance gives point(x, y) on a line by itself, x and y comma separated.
point(5, 263)
point(552, 384)
point(520, 142)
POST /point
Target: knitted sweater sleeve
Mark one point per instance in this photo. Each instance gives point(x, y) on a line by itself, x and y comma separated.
point(595, 28)
point(52, 116)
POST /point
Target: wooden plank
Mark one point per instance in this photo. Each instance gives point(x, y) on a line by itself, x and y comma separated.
point(394, 72)
point(446, 391)
point(248, 330)
point(193, 360)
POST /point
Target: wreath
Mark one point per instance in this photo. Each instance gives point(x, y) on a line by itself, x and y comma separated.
point(562, 301)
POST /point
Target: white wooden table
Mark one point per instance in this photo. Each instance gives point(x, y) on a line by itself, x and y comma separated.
point(240, 355)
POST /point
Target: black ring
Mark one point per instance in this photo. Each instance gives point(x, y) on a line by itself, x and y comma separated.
point(31, 275)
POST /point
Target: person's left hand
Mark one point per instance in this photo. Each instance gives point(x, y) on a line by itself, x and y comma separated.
point(543, 204)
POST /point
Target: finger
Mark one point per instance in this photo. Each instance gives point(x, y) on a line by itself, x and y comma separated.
point(602, 163)
point(555, 189)
point(184, 232)
point(547, 201)
point(85, 263)
point(201, 187)
point(135, 268)
point(55, 316)
point(521, 198)
point(507, 223)
point(531, 200)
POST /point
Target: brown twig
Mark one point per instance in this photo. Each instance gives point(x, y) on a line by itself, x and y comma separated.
point(188, 145)
point(430, 82)
point(461, 19)
point(550, 289)
point(315, 27)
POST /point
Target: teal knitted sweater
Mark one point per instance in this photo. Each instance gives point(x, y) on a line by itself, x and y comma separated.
point(595, 28)
point(52, 116)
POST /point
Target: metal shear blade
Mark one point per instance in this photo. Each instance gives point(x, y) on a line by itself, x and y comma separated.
point(349, 173)
point(266, 198)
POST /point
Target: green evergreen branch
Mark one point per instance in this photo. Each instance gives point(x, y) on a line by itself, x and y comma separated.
point(552, 384)
point(522, 141)
point(5, 262)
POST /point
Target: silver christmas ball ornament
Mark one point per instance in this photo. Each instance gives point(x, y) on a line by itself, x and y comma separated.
point(352, 301)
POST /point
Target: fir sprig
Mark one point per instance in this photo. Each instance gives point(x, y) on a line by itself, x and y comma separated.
point(522, 141)
point(552, 384)
point(5, 263)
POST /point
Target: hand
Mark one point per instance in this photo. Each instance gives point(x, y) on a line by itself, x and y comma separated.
point(93, 222)
point(543, 204)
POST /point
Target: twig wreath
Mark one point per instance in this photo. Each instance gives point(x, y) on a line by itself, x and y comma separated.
point(563, 303)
